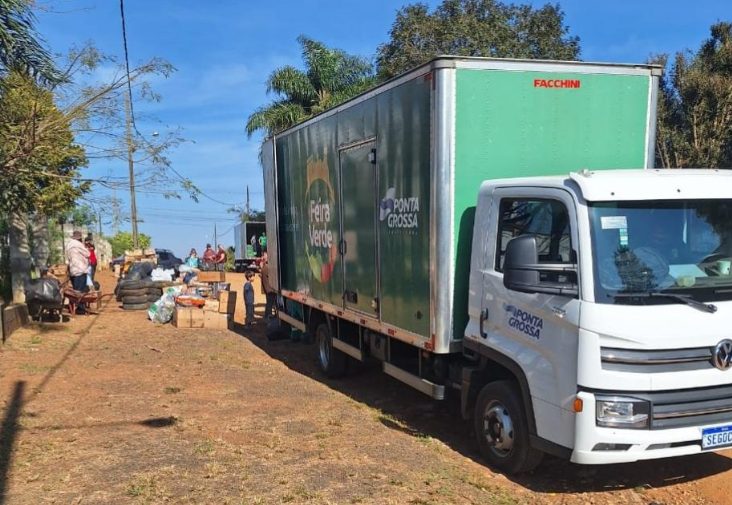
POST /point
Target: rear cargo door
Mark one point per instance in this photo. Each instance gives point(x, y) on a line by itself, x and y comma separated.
point(358, 247)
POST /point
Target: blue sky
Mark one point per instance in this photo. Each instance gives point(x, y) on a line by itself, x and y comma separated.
point(224, 50)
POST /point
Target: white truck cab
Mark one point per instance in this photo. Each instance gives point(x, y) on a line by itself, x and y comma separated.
point(608, 297)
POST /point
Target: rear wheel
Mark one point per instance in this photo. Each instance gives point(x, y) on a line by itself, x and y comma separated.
point(502, 428)
point(333, 362)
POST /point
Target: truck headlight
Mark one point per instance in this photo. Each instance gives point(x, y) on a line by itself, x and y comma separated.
point(620, 412)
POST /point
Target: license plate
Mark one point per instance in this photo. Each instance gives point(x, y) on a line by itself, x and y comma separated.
point(721, 436)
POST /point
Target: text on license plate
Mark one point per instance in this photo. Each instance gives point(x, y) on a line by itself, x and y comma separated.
point(720, 436)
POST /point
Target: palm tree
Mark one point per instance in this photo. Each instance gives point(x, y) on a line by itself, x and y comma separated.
point(331, 77)
point(20, 47)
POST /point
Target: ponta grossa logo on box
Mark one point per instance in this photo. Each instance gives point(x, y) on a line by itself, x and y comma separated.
point(321, 245)
point(399, 212)
point(523, 321)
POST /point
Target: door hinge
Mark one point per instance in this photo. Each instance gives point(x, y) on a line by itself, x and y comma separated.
point(372, 156)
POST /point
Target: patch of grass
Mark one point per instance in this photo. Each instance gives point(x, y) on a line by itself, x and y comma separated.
point(171, 390)
point(32, 369)
point(204, 447)
point(144, 486)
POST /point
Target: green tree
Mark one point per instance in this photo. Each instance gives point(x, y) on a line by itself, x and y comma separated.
point(40, 160)
point(20, 47)
point(40, 171)
point(695, 105)
point(122, 241)
point(331, 77)
point(486, 28)
point(82, 215)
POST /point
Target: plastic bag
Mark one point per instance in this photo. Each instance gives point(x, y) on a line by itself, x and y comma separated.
point(160, 274)
point(140, 270)
point(45, 290)
point(162, 310)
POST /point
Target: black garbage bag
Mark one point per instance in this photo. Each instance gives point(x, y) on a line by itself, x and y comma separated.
point(140, 270)
point(45, 291)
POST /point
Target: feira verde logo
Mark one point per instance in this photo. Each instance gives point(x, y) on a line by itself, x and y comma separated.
point(321, 244)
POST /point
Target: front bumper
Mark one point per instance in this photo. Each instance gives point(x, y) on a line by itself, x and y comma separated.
point(641, 444)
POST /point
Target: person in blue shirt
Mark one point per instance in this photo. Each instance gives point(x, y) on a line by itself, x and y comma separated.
point(193, 260)
point(249, 299)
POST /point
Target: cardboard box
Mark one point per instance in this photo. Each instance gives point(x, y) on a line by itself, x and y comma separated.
point(217, 321)
point(211, 276)
point(227, 302)
point(188, 317)
point(211, 305)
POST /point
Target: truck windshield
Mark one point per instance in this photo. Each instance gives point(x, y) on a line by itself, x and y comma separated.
point(662, 246)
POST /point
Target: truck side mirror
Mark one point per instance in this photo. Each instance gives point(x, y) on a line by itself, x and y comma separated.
point(523, 272)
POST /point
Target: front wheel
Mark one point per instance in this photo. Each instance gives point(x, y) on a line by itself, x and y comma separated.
point(333, 362)
point(502, 429)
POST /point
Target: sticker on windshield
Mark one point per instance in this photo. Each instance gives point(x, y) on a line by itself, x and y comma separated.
point(613, 222)
point(623, 236)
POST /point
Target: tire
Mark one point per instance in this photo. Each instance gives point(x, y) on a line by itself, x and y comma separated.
point(333, 363)
point(502, 429)
point(153, 298)
point(124, 293)
point(154, 291)
point(136, 306)
point(134, 300)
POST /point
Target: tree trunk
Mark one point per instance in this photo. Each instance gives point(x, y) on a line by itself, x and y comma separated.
point(19, 255)
point(41, 239)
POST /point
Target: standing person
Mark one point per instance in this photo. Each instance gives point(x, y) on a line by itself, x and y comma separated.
point(257, 246)
point(208, 257)
point(77, 257)
point(92, 258)
point(266, 290)
point(263, 242)
point(249, 299)
point(220, 259)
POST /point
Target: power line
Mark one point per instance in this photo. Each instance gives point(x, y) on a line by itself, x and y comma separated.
point(127, 60)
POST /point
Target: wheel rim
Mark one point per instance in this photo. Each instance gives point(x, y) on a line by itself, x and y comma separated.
point(323, 348)
point(498, 429)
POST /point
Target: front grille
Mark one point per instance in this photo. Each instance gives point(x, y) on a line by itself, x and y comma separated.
point(656, 361)
point(689, 407)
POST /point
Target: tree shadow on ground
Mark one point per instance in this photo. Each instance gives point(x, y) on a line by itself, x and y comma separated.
point(8, 435)
point(10, 426)
point(406, 410)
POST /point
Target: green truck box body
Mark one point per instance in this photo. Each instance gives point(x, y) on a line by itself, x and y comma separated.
point(375, 198)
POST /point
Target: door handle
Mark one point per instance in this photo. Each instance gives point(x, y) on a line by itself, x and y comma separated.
point(558, 311)
point(483, 318)
point(343, 247)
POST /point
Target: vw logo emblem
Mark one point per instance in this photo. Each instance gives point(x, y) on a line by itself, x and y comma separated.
point(722, 355)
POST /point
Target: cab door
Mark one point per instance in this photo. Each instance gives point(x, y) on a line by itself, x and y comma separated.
point(538, 331)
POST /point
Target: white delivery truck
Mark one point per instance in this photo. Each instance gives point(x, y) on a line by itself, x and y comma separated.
point(576, 308)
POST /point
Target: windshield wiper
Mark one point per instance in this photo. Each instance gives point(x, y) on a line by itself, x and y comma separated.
point(687, 299)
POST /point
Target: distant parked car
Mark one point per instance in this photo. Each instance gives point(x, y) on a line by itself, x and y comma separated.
point(168, 260)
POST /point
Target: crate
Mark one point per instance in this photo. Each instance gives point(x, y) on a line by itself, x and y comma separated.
point(188, 317)
point(227, 302)
point(211, 276)
point(217, 321)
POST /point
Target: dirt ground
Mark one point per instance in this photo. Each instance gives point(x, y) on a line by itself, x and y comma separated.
point(110, 409)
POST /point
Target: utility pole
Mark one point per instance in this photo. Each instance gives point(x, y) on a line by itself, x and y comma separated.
point(216, 240)
point(131, 166)
point(99, 217)
point(248, 209)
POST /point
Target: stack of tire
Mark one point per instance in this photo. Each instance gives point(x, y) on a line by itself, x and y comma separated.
point(137, 294)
